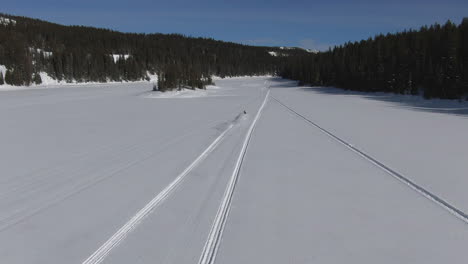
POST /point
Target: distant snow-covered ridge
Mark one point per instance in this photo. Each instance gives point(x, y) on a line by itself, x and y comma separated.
point(276, 53)
point(291, 48)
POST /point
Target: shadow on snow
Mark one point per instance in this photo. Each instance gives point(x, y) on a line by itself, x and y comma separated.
point(414, 102)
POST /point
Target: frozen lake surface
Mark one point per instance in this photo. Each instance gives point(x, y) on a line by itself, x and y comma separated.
point(119, 174)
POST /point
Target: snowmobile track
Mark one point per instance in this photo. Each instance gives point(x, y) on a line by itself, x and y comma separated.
point(210, 249)
point(429, 195)
point(100, 254)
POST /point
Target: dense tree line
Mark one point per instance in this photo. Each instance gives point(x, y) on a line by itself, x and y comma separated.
point(432, 61)
point(83, 54)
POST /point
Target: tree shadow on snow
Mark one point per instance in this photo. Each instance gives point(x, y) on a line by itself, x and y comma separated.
point(414, 102)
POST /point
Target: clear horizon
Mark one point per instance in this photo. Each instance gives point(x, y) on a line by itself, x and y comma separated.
point(306, 24)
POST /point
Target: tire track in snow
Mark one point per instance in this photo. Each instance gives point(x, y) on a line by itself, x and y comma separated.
point(99, 255)
point(9, 219)
point(427, 194)
point(210, 249)
point(69, 186)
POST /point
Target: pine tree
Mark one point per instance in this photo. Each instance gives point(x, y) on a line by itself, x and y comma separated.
point(464, 55)
point(2, 82)
point(84, 54)
point(8, 77)
point(433, 60)
point(37, 78)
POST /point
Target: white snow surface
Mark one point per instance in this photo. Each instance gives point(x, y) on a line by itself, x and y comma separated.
point(311, 51)
point(210, 91)
point(7, 21)
point(273, 53)
point(46, 54)
point(276, 54)
point(3, 70)
point(118, 57)
point(80, 165)
point(50, 82)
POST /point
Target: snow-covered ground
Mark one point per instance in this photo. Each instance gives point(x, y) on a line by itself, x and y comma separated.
point(50, 82)
point(211, 90)
point(115, 173)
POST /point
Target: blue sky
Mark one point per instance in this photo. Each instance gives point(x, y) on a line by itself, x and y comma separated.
point(307, 24)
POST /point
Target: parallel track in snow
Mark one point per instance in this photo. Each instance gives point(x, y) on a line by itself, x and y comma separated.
point(103, 251)
point(210, 249)
point(419, 189)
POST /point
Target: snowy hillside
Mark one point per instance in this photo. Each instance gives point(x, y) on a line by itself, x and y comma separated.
point(88, 54)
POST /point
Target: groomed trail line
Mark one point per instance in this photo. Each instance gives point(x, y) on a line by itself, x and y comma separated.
point(210, 249)
point(432, 197)
point(99, 255)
